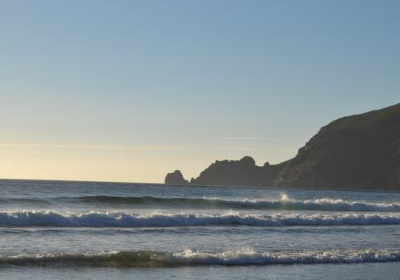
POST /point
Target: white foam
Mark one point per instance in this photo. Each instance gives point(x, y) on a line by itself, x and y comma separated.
point(323, 204)
point(284, 203)
point(121, 219)
point(251, 257)
point(189, 258)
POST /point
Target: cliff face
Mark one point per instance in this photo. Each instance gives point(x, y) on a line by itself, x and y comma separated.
point(360, 151)
point(356, 152)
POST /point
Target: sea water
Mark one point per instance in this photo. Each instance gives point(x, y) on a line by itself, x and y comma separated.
point(87, 230)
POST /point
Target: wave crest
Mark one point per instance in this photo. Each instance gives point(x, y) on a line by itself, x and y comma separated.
point(192, 258)
point(120, 219)
point(285, 203)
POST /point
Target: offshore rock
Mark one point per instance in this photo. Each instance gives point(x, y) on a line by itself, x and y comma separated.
point(175, 178)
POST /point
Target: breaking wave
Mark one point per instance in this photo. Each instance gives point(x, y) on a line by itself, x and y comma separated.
point(192, 258)
point(323, 204)
point(121, 219)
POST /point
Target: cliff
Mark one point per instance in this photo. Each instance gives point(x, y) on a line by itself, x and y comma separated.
point(354, 152)
point(360, 151)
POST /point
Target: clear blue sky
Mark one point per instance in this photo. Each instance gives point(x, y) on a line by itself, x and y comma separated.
point(129, 90)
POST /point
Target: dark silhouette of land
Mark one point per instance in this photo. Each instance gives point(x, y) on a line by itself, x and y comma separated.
point(175, 178)
point(355, 152)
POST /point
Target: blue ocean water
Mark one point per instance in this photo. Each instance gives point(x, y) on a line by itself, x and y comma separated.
point(87, 230)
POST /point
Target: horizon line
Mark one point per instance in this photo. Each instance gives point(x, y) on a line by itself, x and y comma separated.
point(139, 148)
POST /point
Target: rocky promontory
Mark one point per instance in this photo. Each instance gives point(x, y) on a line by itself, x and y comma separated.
point(355, 152)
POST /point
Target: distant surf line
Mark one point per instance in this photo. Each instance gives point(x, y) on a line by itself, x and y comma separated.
point(322, 204)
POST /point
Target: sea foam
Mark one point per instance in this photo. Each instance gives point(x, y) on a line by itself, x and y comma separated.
point(122, 219)
point(193, 258)
point(285, 203)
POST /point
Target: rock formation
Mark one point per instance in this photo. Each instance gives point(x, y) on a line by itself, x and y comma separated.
point(242, 172)
point(354, 152)
point(175, 178)
point(360, 151)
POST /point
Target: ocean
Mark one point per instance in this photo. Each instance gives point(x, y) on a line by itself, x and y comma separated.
point(91, 230)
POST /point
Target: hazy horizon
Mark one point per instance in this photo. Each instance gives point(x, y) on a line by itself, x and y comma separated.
point(129, 91)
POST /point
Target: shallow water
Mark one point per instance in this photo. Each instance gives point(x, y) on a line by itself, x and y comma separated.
point(83, 230)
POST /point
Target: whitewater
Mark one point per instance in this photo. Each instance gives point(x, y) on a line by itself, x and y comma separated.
point(284, 203)
point(118, 219)
point(88, 230)
point(193, 258)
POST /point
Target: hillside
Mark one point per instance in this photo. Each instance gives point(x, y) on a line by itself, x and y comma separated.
point(360, 151)
point(355, 152)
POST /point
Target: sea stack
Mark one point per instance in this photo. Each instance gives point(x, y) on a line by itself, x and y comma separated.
point(175, 178)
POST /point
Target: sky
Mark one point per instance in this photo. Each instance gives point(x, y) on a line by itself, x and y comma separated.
point(130, 90)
